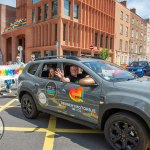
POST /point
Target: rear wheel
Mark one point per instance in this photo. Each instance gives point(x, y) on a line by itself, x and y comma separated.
point(125, 131)
point(28, 107)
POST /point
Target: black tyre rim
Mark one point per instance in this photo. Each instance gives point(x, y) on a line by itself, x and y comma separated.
point(27, 106)
point(123, 136)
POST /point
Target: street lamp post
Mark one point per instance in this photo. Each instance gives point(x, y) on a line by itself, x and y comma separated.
point(20, 49)
point(57, 46)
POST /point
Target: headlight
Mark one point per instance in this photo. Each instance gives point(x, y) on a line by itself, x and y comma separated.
point(139, 69)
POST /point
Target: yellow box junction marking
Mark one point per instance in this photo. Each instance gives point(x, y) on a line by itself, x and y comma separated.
point(7, 104)
point(49, 139)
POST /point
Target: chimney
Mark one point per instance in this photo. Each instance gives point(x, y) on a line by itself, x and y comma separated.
point(147, 20)
point(124, 3)
point(133, 10)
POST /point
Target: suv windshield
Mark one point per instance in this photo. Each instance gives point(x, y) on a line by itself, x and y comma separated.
point(109, 71)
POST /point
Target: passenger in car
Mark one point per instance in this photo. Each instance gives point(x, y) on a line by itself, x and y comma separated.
point(51, 74)
point(72, 77)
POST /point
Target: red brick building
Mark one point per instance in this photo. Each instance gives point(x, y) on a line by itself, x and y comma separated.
point(74, 24)
point(7, 15)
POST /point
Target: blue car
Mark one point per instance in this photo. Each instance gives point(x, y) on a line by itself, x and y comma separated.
point(140, 68)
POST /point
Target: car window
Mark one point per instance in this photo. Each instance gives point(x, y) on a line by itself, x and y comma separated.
point(33, 68)
point(109, 71)
point(81, 73)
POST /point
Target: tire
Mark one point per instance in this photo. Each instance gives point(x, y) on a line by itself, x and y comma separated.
point(28, 107)
point(125, 131)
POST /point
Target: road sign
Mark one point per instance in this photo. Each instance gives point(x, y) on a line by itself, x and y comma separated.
point(20, 48)
point(91, 47)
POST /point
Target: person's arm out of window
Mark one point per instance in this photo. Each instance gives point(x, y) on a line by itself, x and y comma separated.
point(60, 74)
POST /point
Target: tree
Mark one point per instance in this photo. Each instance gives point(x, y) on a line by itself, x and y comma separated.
point(104, 53)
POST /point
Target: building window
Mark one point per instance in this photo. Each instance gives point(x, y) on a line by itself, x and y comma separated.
point(96, 39)
point(69, 53)
point(33, 15)
point(136, 48)
point(132, 33)
point(55, 32)
point(131, 46)
point(132, 20)
point(141, 38)
point(67, 7)
point(127, 18)
point(120, 44)
point(37, 54)
point(126, 46)
point(144, 37)
point(50, 53)
point(76, 9)
point(39, 13)
point(137, 35)
point(54, 7)
point(106, 41)
point(126, 31)
point(121, 29)
point(111, 43)
point(140, 48)
point(101, 41)
point(121, 15)
point(64, 32)
point(46, 11)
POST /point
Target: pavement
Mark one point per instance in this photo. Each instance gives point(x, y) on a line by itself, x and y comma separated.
point(44, 133)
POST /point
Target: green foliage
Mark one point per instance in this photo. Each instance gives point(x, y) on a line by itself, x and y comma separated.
point(104, 54)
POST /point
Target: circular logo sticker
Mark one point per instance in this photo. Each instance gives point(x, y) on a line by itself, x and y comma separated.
point(42, 98)
point(51, 89)
point(1, 127)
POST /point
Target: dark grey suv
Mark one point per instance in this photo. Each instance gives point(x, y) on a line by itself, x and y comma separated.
point(106, 97)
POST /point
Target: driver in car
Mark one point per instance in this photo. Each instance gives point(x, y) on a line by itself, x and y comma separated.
point(73, 77)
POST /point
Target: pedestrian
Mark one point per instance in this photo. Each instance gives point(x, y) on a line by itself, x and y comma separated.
point(32, 58)
point(18, 61)
point(9, 85)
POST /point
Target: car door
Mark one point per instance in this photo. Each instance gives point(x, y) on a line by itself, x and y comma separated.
point(78, 101)
point(47, 93)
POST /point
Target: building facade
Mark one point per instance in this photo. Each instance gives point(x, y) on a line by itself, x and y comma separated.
point(62, 27)
point(122, 33)
point(138, 34)
point(7, 15)
point(148, 39)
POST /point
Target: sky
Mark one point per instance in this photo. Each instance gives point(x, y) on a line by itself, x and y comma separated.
point(142, 6)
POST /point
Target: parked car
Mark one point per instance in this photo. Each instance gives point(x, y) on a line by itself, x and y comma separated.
point(108, 98)
point(140, 68)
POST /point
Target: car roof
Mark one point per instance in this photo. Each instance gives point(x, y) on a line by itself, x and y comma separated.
point(75, 58)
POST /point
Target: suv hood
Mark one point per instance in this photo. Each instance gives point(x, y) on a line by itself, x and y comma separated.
point(139, 85)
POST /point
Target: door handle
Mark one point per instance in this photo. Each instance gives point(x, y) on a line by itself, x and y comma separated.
point(36, 84)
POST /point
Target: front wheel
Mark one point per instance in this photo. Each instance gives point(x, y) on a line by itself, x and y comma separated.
point(28, 107)
point(125, 131)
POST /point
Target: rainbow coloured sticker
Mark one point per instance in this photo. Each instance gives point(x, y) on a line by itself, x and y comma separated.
point(77, 95)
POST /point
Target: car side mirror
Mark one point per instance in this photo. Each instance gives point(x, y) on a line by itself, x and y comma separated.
point(87, 81)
